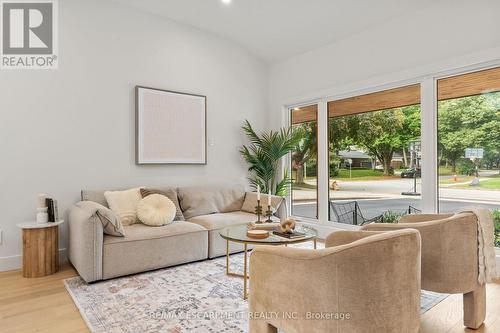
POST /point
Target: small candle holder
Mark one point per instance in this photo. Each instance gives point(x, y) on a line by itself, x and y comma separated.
point(258, 211)
point(269, 213)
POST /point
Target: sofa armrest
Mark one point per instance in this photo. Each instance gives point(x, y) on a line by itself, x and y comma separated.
point(86, 238)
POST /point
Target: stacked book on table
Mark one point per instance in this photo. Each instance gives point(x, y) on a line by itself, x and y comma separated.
point(52, 209)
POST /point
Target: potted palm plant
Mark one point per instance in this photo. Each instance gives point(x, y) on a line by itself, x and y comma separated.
point(264, 154)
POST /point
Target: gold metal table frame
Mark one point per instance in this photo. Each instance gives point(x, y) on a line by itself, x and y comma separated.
point(245, 255)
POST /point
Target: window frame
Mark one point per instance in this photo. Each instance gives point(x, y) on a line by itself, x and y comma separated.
point(428, 105)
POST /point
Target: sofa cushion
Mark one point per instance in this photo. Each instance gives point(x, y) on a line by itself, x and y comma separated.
point(222, 220)
point(145, 248)
point(95, 196)
point(196, 201)
point(124, 204)
point(170, 193)
point(139, 231)
point(250, 202)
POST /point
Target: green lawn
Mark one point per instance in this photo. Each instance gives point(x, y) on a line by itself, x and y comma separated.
point(460, 179)
point(445, 171)
point(487, 183)
point(490, 183)
point(361, 174)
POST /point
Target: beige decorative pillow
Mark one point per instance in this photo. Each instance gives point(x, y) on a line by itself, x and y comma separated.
point(124, 204)
point(251, 202)
point(169, 193)
point(110, 222)
point(156, 210)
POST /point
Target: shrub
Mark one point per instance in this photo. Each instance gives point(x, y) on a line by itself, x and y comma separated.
point(466, 167)
point(391, 217)
point(496, 221)
point(334, 170)
point(311, 167)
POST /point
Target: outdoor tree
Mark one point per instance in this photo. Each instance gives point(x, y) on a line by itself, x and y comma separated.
point(468, 122)
point(411, 128)
point(341, 132)
point(305, 149)
point(380, 134)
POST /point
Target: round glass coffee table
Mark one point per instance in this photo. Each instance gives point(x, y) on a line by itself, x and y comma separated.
point(238, 234)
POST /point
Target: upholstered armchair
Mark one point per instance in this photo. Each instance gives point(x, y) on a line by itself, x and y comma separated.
point(449, 258)
point(361, 282)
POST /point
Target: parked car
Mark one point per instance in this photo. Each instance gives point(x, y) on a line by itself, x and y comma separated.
point(410, 173)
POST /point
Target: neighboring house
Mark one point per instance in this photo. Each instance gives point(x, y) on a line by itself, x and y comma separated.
point(359, 159)
point(397, 161)
point(362, 160)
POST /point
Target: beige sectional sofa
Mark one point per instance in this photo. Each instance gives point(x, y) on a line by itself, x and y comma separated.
point(98, 256)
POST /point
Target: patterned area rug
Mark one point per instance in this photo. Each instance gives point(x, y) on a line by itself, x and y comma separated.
point(196, 297)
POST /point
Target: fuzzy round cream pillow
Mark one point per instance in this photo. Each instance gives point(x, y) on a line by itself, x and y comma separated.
point(156, 210)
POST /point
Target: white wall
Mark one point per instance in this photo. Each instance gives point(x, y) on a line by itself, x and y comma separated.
point(73, 128)
point(442, 36)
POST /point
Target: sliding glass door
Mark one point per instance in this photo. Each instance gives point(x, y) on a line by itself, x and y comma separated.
point(469, 142)
point(374, 155)
point(304, 162)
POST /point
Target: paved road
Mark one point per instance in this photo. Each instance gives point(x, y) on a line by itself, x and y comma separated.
point(375, 207)
point(388, 188)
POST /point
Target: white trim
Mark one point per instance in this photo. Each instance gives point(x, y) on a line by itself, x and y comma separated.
point(286, 163)
point(10, 263)
point(428, 116)
point(322, 174)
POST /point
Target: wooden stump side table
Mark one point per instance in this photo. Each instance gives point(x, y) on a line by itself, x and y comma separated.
point(40, 248)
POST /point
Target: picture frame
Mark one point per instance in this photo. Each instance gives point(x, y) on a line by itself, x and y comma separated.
point(171, 127)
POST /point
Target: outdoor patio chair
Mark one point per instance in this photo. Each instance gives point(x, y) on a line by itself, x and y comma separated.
point(413, 210)
point(350, 213)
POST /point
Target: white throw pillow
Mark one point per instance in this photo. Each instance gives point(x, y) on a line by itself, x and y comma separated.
point(156, 210)
point(124, 204)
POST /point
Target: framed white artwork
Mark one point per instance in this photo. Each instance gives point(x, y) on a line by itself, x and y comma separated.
point(170, 127)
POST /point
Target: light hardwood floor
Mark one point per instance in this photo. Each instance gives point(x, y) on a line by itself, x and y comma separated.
point(43, 305)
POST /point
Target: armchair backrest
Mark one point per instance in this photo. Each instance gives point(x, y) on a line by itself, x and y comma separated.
point(372, 277)
point(449, 250)
point(378, 279)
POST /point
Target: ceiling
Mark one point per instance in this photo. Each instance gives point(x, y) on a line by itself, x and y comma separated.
point(275, 30)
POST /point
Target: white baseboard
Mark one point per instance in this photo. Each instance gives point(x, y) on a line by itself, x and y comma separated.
point(16, 262)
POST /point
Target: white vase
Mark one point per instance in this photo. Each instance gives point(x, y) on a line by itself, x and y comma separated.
point(42, 216)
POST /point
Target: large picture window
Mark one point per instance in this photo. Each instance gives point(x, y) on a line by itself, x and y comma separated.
point(304, 162)
point(374, 156)
point(372, 159)
point(469, 142)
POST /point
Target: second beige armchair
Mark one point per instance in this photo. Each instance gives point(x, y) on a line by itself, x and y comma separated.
point(449, 258)
point(361, 282)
